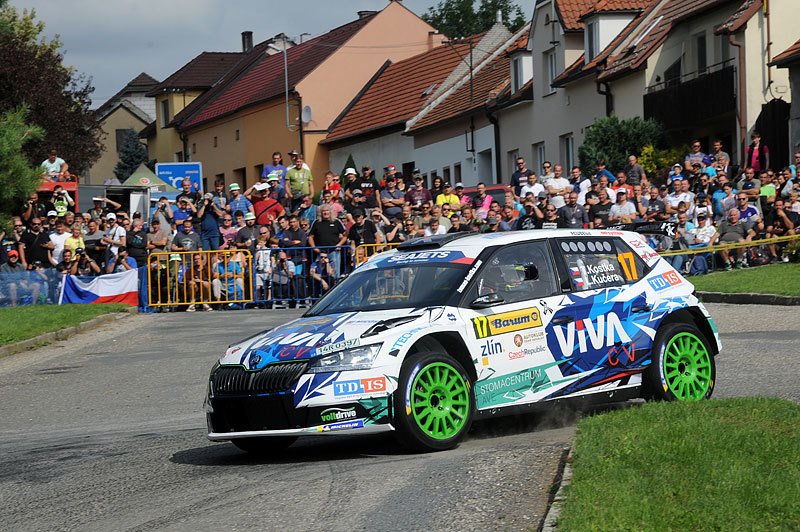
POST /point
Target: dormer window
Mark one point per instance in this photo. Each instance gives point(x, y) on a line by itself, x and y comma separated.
point(592, 41)
point(516, 74)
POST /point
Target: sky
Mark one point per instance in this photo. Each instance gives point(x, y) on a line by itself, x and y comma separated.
point(112, 41)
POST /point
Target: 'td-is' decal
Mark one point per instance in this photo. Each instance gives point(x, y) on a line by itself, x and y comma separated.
point(506, 322)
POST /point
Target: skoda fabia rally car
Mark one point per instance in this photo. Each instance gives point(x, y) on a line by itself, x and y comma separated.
point(423, 339)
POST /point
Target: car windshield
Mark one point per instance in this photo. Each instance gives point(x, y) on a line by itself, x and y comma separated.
point(393, 287)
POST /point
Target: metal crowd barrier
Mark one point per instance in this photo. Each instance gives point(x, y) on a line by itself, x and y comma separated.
point(186, 278)
point(732, 245)
point(365, 251)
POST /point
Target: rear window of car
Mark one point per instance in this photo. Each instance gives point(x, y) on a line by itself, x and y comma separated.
point(594, 263)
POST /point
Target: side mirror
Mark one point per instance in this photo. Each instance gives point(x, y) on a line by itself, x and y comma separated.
point(531, 272)
point(488, 300)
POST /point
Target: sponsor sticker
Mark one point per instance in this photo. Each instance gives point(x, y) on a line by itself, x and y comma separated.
point(526, 352)
point(469, 276)
point(506, 322)
point(664, 281)
point(509, 388)
point(337, 414)
point(360, 386)
point(428, 256)
point(342, 425)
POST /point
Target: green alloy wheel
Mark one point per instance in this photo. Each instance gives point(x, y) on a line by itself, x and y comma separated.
point(683, 366)
point(433, 403)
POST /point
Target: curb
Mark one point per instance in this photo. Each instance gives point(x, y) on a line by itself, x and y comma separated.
point(63, 334)
point(748, 299)
point(550, 522)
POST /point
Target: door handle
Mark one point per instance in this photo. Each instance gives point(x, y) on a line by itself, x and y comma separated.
point(642, 308)
point(563, 320)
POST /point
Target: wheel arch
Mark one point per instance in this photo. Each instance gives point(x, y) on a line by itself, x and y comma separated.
point(448, 342)
point(693, 315)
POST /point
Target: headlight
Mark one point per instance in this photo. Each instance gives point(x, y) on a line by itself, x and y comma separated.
point(349, 359)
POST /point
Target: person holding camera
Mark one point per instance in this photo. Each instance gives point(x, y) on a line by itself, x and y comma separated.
point(115, 235)
point(163, 212)
point(35, 208)
point(282, 276)
point(82, 264)
point(323, 275)
point(121, 263)
point(62, 201)
point(209, 214)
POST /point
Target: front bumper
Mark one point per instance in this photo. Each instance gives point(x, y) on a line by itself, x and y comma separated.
point(246, 416)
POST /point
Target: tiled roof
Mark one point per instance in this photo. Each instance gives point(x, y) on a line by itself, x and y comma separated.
point(486, 84)
point(740, 17)
point(616, 6)
point(199, 73)
point(578, 69)
point(148, 131)
point(790, 55)
point(406, 84)
point(142, 82)
point(570, 11)
point(520, 44)
point(652, 33)
point(260, 77)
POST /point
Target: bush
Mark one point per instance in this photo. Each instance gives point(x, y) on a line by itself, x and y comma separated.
point(613, 140)
point(658, 162)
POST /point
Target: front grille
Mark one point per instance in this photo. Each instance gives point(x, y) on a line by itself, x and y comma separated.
point(235, 380)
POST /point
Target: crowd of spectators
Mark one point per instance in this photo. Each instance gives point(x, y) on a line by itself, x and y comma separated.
point(300, 248)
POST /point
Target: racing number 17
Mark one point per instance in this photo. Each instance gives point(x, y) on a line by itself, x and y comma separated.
point(628, 266)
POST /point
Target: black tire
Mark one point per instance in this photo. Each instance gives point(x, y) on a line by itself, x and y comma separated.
point(683, 367)
point(433, 413)
point(264, 444)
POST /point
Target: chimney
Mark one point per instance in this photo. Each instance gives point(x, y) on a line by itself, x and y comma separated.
point(499, 16)
point(247, 41)
point(365, 14)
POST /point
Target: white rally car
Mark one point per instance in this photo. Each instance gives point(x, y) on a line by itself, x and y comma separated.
point(426, 338)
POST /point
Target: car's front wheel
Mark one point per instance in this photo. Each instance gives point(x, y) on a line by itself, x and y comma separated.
point(434, 403)
point(683, 367)
point(265, 444)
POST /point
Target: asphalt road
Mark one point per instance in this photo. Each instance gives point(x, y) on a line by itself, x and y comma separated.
point(105, 432)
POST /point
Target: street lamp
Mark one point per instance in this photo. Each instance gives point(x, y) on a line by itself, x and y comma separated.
point(284, 39)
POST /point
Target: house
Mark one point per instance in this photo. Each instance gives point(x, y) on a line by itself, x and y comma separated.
point(289, 100)
point(176, 92)
point(130, 108)
point(700, 67)
point(456, 135)
point(790, 59)
point(371, 131)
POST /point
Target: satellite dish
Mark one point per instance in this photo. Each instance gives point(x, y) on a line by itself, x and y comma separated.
point(305, 115)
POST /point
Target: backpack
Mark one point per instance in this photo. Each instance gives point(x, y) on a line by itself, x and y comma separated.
point(699, 265)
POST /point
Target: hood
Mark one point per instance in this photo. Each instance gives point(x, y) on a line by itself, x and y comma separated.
point(308, 338)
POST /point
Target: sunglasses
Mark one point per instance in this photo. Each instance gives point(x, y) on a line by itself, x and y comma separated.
point(263, 234)
point(227, 219)
point(18, 225)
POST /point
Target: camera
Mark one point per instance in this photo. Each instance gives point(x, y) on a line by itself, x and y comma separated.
point(79, 251)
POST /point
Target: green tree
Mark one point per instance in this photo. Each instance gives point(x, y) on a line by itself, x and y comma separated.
point(18, 178)
point(132, 153)
point(349, 163)
point(613, 140)
point(461, 18)
point(32, 74)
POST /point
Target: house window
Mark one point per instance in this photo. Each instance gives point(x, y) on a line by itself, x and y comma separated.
point(194, 148)
point(457, 173)
point(237, 134)
point(516, 74)
point(215, 142)
point(178, 157)
point(164, 113)
point(672, 75)
point(549, 70)
point(119, 134)
point(538, 156)
point(446, 174)
point(568, 150)
point(700, 46)
point(723, 49)
point(511, 157)
point(591, 41)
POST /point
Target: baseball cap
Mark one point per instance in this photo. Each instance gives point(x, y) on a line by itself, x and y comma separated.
point(293, 152)
point(249, 216)
point(677, 165)
point(701, 215)
point(391, 168)
point(13, 253)
point(678, 178)
point(260, 186)
point(207, 195)
point(357, 191)
point(459, 185)
point(174, 256)
point(447, 185)
point(358, 212)
point(97, 198)
point(109, 216)
point(417, 176)
point(350, 171)
point(52, 213)
point(492, 220)
point(121, 249)
point(542, 195)
point(234, 186)
point(274, 176)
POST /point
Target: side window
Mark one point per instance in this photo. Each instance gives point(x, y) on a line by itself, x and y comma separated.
point(504, 274)
point(600, 263)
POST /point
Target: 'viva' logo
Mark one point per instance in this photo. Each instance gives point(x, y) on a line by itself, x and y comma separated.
point(602, 334)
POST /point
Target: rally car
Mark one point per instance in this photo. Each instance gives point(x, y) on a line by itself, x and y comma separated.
point(423, 339)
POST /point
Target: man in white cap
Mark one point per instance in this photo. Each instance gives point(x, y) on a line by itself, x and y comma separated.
point(115, 234)
point(265, 208)
point(100, 209)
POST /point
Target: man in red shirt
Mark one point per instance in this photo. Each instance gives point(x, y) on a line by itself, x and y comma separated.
point(266, 209)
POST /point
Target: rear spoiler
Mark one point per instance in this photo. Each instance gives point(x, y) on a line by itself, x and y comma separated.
point(648, 228)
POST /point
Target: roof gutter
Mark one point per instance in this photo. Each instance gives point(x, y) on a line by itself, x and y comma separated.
point(740, 111)
point(498, 169)
point(606, 91)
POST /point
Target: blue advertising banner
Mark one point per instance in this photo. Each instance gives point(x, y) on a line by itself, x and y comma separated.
point(173, 174)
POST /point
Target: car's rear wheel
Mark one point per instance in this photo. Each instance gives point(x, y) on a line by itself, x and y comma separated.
point(683, 367)
point(434, 403)
point(264, 444)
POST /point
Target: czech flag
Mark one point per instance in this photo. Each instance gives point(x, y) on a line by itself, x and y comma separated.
point(120, 287)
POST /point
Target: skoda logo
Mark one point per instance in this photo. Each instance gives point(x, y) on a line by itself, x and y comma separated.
point(254, 360)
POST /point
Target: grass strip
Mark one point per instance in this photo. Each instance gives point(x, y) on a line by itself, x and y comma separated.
point(731, 464)
point(780, 279)
point(21, 323)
